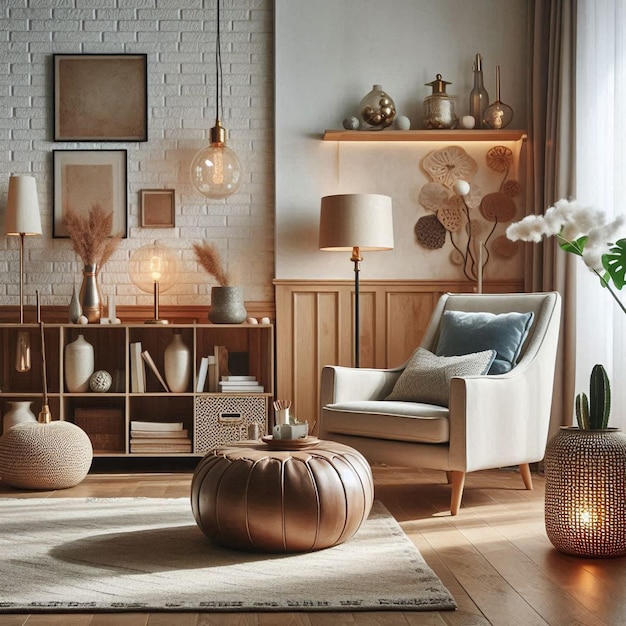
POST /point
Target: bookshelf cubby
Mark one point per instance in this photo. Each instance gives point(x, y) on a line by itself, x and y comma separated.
point(253, 345)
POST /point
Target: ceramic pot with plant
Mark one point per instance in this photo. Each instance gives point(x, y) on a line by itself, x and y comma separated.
point(227, 304)
point(585, 468)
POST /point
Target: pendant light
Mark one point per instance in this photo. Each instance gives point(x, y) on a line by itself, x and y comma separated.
point(216, 170)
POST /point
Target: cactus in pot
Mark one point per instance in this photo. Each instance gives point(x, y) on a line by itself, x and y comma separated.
point(592, 413)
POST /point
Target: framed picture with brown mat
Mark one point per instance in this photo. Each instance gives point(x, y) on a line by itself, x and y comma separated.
point(85, 178)
point(158, 208)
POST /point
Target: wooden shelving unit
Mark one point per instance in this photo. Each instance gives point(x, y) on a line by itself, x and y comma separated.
point(424, 135)
point(112, 353)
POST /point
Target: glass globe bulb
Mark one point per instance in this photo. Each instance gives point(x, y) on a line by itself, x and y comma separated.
point(216, 171)
point(153, 263)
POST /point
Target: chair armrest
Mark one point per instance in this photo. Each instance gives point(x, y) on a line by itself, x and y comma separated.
point(341, 384)
point(497, 421)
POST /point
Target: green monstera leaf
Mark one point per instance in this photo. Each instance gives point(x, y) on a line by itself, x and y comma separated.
point(615, 263)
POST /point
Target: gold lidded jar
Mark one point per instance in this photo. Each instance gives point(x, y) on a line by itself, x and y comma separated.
point(439, 107)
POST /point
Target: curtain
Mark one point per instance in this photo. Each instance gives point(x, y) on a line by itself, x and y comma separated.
point(551, 169)
point(600, 172)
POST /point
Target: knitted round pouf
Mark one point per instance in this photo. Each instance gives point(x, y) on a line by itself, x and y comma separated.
point(44, 456)
point(249, 497)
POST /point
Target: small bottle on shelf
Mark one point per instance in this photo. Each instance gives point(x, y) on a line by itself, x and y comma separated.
point(479, 99)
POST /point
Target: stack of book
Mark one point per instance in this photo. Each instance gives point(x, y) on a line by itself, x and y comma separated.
point(237, 384)
point(159, 437)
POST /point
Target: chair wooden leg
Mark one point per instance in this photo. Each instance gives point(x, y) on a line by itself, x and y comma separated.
point(449, 477)
point(458, 482)
point(524, 470)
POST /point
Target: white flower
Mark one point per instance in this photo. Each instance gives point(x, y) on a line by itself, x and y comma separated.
point(531, 228)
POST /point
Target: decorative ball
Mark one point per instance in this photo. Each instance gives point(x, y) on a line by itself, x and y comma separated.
point(83, 320)
point(403, 122)
point(468, 122)
point(461, 187)
point(351, 123)
point(100, 381)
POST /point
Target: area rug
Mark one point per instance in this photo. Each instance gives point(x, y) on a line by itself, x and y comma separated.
point(147, 554)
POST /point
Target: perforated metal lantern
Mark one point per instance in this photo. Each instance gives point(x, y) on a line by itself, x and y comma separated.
point(585, 503)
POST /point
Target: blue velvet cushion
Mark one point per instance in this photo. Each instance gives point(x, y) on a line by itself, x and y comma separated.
point(464, 333)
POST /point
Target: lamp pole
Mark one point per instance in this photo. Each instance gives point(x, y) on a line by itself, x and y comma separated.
point(356, 258)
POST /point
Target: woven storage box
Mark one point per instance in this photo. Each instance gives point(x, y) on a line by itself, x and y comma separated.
point(223, 418)
point(104, 427)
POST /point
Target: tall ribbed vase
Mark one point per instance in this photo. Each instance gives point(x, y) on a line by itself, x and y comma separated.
point(79, 364)
point(177, 364)
point(227, 306)
point(90, 297)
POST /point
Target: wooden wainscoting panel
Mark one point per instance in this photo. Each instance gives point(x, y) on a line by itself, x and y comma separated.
point(408, 314)
point(304, 351)
point(330, 328)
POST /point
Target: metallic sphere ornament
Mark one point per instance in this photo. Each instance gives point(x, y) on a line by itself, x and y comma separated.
point(377, 109)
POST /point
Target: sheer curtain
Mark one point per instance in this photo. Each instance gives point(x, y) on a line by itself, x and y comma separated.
point(601, 181)
point(551, 141)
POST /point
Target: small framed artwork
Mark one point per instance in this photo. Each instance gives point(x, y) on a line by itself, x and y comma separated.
point(83, 178)
point(158, 208)
point(100, 97)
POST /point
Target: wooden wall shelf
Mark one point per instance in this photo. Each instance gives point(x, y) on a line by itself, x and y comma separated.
point(425, 135)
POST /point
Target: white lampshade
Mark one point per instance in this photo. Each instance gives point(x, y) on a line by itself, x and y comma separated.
point(22, 216)
point(356, 220)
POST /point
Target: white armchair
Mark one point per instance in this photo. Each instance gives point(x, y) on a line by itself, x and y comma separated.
point(491, 421)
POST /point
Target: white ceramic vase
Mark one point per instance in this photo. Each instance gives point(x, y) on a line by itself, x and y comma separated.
point(18, 413)
point(177, 362)
point(79, 365)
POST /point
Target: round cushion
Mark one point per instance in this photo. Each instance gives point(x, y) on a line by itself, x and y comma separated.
point(249, 497)
point(44, 456)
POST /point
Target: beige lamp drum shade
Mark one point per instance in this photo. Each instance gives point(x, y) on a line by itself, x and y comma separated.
point(356, 220)
point(22, 216)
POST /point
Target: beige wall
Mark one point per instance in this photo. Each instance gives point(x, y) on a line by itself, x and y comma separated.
point(328, 56)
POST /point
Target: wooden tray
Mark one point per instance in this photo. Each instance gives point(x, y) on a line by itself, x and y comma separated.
point(290, 444)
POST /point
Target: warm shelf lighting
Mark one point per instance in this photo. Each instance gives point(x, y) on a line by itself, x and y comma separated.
point(153, 268)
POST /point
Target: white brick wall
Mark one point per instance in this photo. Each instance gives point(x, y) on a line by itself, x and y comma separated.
point(179, 39)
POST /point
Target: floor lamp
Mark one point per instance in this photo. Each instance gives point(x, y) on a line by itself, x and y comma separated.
point(356, 222)
point(23, 219)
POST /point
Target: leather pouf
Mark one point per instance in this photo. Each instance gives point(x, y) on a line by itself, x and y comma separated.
point(249, 497)
point(44, 456)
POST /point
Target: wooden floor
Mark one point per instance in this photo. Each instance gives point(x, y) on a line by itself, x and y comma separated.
point(494, 558)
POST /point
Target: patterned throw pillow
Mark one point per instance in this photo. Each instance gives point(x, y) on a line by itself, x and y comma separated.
point(426, 377)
